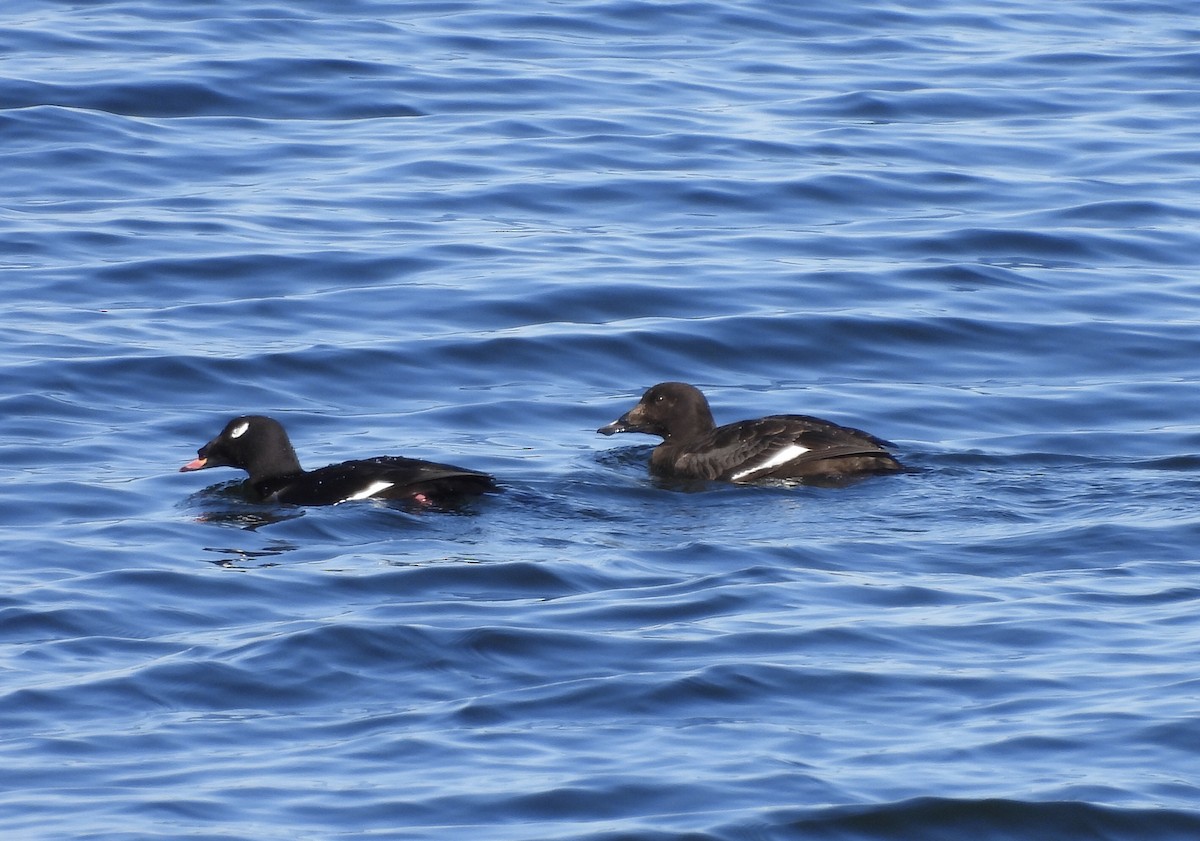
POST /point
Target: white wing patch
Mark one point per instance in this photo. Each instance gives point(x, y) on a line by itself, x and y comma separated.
point(239, 430)
point(370, 490)
point(781, 457)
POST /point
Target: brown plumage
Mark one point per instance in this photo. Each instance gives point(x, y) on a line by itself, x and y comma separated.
point(773, 447)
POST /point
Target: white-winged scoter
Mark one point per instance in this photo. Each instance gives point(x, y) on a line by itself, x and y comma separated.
point(774, 447)
point(260, 446)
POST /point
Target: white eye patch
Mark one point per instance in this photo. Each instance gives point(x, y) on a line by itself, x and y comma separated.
point(239, 430)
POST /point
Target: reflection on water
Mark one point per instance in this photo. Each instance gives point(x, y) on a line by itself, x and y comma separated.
point(236, 558)
point(226, 503)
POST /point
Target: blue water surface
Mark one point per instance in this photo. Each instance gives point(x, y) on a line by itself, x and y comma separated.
point(475, 232)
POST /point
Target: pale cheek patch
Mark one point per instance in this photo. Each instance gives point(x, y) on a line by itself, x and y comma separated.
point(370, 490)
point(239, 430)
point(792, 451)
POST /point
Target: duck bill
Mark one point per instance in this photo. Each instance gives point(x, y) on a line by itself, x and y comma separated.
point(625, 423)
point(195, 464)
point(613, 428)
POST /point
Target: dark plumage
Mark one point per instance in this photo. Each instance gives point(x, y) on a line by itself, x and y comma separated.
point(774, 447)
point(260, 446)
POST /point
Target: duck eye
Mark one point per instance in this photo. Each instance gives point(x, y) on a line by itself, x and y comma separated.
point(239, 430)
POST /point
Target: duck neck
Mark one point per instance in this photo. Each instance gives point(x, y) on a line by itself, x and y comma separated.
point(276, 459)
point(695, 422)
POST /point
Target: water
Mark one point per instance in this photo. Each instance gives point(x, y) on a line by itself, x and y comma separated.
point(475, 232)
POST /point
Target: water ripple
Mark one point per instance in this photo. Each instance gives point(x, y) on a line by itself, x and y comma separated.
point(475, 233)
